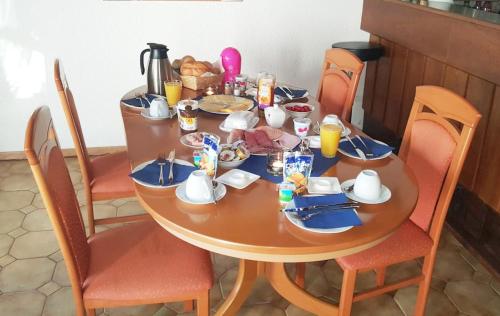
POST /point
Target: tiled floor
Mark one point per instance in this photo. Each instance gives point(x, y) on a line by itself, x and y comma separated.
point(33, 278)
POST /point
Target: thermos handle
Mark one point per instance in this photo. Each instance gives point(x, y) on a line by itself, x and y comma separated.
point(142, 60)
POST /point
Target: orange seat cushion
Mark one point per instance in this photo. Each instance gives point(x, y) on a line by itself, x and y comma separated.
point(143, 262)
point(408, 242)
point(111, 180)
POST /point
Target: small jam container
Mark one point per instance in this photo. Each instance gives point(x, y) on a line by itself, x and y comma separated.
point(187, 113)
point(197, 158)
point(286, 190)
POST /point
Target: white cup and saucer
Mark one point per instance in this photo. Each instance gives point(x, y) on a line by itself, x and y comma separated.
point(335, 120)
point(198, 189)
point(366, 188)
point(158, 110)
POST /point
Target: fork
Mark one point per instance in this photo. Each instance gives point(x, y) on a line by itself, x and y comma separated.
point(171, 159)
point(161, 163)
point(139, 96)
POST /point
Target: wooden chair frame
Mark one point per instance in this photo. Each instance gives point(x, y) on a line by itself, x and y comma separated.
point(68, 104)
point(445, 106)
point(41, 140)
point(347, 65)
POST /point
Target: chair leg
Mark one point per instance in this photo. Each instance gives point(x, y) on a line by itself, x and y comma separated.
point(90, 215)
point(300, 274)
point(423, 288)
point(203, 304)
point(90, 312)
point(188, 306)
point(347, 292)
point(380, 272)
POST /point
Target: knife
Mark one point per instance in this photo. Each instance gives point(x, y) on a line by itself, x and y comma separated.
point(314, 207)
point(360, 153)
point(171, 158)
point(312, 214)
point(369, 152)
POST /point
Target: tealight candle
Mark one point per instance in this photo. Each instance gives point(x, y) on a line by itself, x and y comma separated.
point(275, 163)
point(210, 91)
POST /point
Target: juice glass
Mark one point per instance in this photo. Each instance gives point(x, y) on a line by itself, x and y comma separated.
point(330, 137)
point(173, 91)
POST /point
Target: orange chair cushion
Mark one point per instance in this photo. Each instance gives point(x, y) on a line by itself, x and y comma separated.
point(111, 180)
point(429, 157)
point(334, 93)
point(408, 242)
point(141, 262)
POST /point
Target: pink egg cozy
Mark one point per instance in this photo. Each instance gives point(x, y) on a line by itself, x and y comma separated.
point(231, 62)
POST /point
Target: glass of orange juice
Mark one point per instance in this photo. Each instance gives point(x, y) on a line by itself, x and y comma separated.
point(173, 91)
point(330, 136)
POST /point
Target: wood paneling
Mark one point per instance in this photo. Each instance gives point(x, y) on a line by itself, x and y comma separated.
point(434, 72)
point(382, 82)
point(455, 80)
point(415, 66)
point(396, 86)
point(371, 72)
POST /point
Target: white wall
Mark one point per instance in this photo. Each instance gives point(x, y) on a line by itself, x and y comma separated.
point(99, 43)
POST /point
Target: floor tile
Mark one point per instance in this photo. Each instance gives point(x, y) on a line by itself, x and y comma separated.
point(18, 232)
point(5, 243)
point(10, 220)
point(6, 260)
point(61, 274)
point(164, 311)
point(495, 285)
point(37, 220)
point(130, 208)
point(34, 244)
point(315, 280)
point(21, 303)
point(37, 201)
point(28, 209)
point(60, 303)
point(49, 288)
point(56, 256)
point(473, 298)
point(401, 271)
point(17, 182)
point(100, 211)
point(293, 310)
point(225, 261)
point(134, 311)
point(261, 310)
point(437, 303)
point(379, 306)
point(451, 266)
point(26, 274)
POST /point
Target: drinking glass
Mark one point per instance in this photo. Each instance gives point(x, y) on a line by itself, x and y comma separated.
point(330, 137)
point(173, 90)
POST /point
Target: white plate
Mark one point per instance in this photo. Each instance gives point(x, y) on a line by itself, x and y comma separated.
point(357, 157)
point(226, 101)
point(238, 179)
point(385, 195)
point(323, 185)
point(254, 122)
point(292, 217)
point(345, 132)
point(145, 113)
point(186, 143)
point(165, 174)
point(180, 192)
point(314, 141)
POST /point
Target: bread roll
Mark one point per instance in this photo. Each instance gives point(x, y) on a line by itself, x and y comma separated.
point(177, 64)
point(194, 69)
point(187, 59)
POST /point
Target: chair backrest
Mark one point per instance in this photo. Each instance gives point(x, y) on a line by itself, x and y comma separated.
point(437, 138)
point(53, 180)
point(339, 81)
point(68, 104)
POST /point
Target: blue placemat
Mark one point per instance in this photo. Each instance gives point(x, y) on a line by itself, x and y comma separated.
point(307, 201)
point(333, 219)
point(297, 93)
point(137, 101)
point(257, 165)
point(377, 149)
point(150, 174)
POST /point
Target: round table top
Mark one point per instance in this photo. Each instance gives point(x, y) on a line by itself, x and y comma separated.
point(248, 223)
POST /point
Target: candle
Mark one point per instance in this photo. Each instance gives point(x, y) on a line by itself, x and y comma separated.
point(275, 162)
point(210, 91)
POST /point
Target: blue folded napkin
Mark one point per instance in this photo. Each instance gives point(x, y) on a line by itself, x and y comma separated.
point(332, 219)
point(307, 201)
point(151, 173)
point(297, 93)
point(377, 149)
point(137, 101)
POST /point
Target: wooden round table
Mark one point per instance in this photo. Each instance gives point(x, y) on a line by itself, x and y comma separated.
point(247, 224)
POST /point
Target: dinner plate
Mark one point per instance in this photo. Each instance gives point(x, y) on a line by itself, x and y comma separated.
point(292, 217)
point(385, 195)
point(345, 132)
point(180, 192)
point(254, 122)
point(165, 174)
point(323, 185)
point(145, 113)
point(186, 142)
point(238, 179)
point(225, 104)
point(357, 157)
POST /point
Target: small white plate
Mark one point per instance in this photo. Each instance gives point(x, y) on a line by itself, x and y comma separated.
point(180, 192)
point(165, 174)
point(145, 113)
point(357, 157)
point(292, 217)
point(323, 185)
point(252, 124)
point(385, 195)
point(345, 132)
point(238, 179)
point(185, 142)
point(314, 141)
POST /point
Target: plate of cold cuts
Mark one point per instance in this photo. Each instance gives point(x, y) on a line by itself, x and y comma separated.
point(264, 139)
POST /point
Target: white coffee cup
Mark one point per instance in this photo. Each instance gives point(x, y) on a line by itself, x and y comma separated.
point(199, 186)
point(301, 126)
point(368, 185)
point(333, 119)
point(158, 108)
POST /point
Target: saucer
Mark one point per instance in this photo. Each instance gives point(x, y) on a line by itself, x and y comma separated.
point(238, 179)
point(357, 157)
point(385, 195)
point(145, 113)
point(314, 141)
point(323, 185)
point(345, 132)
point(180, 192)
point(252, 124)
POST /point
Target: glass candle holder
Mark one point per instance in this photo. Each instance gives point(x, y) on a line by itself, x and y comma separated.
point(275, 162)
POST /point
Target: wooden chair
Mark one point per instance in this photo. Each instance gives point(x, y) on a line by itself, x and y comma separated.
point(104, 177)
point(435, 144)
point(339, 81)
point(139, 263)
